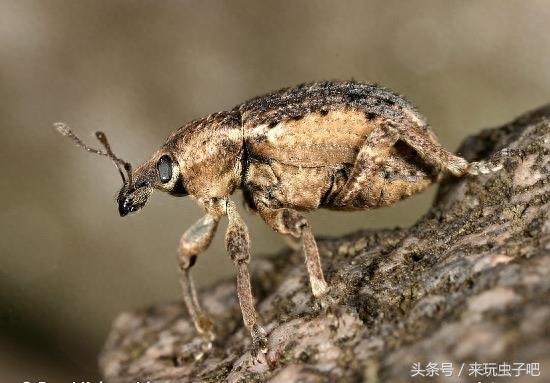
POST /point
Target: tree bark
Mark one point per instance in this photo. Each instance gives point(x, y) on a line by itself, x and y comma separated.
point(469, 282)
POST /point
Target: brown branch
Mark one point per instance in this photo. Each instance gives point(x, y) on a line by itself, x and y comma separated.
point(467, 283)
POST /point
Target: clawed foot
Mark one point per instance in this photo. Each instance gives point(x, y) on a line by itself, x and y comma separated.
point(327, 304)
point(205, 346)
point(197, 349)
point(259, 341)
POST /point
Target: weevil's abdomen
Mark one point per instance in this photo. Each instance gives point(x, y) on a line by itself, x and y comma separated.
point(321, 123)
point(316, 139)
point(302, 142)
point(276, 184)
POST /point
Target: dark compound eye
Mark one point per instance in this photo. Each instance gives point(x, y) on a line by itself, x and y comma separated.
point(164, 167)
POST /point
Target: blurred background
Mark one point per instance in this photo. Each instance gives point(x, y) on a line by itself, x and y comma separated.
point(140, 69)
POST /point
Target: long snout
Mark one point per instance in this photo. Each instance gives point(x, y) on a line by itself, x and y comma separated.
point(132, 201)
point(125, 206)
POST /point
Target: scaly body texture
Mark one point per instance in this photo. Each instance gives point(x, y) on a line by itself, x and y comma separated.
point(341, 145)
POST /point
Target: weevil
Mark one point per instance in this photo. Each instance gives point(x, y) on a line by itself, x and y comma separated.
point(341, 145)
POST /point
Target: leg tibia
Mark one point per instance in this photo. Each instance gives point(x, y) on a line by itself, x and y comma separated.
point(425, 144)
point(194, 241)
point(369, 160)
point(237, 244)
point(290, 222)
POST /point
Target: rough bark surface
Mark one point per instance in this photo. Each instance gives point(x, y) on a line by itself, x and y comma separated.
point(469, 282)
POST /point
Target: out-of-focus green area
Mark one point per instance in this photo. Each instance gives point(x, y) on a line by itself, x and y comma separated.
point(140, 69)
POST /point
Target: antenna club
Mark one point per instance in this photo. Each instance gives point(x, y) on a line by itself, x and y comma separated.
point(121, 165)
point(62, 128)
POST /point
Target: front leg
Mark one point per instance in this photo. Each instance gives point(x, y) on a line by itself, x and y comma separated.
point(193, 242)
point(237, 243)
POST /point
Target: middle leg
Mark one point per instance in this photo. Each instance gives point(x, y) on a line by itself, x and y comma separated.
point(290, 222)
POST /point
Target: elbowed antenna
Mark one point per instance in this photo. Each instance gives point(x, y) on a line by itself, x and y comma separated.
point(124, 168)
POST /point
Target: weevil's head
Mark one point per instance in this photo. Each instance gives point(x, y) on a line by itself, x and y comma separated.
point(160, 172)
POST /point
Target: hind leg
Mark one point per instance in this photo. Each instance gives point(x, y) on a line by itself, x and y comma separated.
point(364, 178)
point(368, 163)
point(424, 143)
